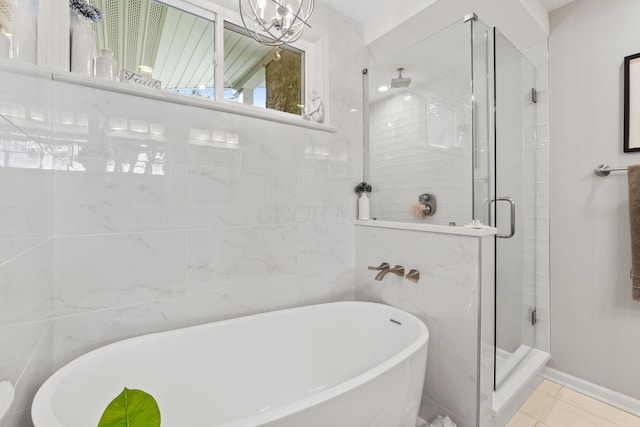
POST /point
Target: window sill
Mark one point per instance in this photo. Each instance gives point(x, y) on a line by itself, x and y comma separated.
point(160, 95)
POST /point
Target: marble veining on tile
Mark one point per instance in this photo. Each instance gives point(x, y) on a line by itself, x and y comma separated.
point(446, 299)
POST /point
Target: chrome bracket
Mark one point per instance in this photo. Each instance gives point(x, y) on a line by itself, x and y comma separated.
point(602, 170)
point(470, 17)
point(534, 95)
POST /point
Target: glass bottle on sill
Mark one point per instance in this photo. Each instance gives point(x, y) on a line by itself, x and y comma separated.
point(5, 44)
point(106, 65)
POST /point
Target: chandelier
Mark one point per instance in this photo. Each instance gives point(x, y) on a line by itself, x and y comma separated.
point(275, 22)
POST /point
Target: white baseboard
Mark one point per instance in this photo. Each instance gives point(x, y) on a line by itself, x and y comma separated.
point(603, 394)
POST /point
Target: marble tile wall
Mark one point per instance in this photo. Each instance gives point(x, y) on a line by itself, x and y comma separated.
point(447, 298)
point(122, 215)
point(487, 333)
point(26, 236)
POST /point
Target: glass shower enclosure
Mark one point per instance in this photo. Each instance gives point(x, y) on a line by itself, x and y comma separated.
point(453, 117)
point(514, 202)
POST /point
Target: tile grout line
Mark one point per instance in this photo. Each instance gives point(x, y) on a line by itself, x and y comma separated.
point(558, 391)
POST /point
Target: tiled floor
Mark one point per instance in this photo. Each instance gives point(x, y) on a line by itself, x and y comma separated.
point(552, 405)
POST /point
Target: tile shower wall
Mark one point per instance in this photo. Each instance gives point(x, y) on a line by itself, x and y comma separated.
point(123, 215)
point(446, 299)
point(420, 143)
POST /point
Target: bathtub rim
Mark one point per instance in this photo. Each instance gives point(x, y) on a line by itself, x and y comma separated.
point(42, 413)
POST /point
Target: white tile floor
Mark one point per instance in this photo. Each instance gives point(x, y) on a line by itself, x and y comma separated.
point(553, 405)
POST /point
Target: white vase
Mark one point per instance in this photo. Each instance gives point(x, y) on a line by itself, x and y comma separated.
point(83, 48)
point(5, 44)
point(105, 65)
point(54, 41)
point(23, 29)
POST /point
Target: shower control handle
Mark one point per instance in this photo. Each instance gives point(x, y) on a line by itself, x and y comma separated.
point(428, 200)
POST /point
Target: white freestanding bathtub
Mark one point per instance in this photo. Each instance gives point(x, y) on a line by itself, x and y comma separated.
point(350, 364)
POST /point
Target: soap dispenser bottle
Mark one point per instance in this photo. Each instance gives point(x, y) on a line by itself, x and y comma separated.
point(363, 189)
point(363, 206)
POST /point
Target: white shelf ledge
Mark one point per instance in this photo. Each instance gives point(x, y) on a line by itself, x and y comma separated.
point(431, 228)
point(160, 95)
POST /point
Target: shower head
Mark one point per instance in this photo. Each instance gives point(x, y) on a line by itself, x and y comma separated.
point(400, 82)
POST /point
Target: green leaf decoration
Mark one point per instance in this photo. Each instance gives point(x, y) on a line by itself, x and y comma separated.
point(132, 408)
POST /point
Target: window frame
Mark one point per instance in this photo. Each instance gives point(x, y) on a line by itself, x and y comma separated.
point(315, 70)
point(303, 84)
point(314, 44)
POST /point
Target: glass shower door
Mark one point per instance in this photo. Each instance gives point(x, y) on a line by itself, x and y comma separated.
point(513, 205)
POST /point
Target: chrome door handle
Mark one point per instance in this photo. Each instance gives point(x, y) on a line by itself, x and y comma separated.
point(512, 232)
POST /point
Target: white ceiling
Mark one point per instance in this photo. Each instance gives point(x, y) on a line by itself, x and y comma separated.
point(554, 4)
point(359, 10)
point(363, 10)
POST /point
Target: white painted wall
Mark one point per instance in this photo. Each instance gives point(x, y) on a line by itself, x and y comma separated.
point(595, 324)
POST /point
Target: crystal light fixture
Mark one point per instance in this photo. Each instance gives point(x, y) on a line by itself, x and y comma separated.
point(275, 22)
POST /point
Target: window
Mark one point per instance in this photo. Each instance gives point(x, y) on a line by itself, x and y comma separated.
point(157, 40)
point(174, 42)
point(253, 74)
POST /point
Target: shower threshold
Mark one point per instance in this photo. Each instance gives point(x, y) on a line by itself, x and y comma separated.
point(520, 380)
point(507, 362)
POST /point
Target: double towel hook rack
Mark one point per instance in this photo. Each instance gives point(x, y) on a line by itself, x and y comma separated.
point(605, 170)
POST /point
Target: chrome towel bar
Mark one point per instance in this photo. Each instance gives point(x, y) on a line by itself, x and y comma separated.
point(605, 170)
